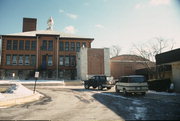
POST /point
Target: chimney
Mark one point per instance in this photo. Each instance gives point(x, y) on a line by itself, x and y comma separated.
point(29, 24)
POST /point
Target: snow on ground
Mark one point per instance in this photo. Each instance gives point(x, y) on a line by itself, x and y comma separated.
point(162, 93)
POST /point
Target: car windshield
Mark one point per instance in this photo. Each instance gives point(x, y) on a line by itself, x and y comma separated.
point(136, 79)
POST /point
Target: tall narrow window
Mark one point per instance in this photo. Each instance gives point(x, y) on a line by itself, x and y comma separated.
point(15, 44)
point(26, 59)
point(21, 62)
point(73, 60)
point(8, 59)
point(78, 46)
point(50, 45)
point(66, 60)
point(14, 60)
point(44, 45)
point(33, 45)
point(21, 45)
point(50, 60)
point(84, 44)
point(72, 46)
point(61, 60)
point(27, 45)
point(33, 60)
point(66, 46)
point(61, 46)
point(9, 45)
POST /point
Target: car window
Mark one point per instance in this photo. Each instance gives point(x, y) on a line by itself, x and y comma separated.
point(136, 80)
point(124, 79)
point(96, 77)
point(92, 77)
point(103, 78)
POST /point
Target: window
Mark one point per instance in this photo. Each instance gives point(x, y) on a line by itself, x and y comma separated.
point(33, 60)
point(44, 45)
point(14, 60)
point(78, 46)
point(61, 46)
point(66, 46)
point(27, 60)
point(21, 45)
point(61, 60)
point(67, 61)
point(125, 79)
point(73, 60)
point(8, 59)
point(21, 60)
point(33, 45)
point(15, 44)
point(9, 45)
point(50, 62)
point(84, 44)
point(27, 45)
point(72, 46)
point(50, 45)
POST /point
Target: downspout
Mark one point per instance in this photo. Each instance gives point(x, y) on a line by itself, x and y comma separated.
point(57, 71)
point(37, 53)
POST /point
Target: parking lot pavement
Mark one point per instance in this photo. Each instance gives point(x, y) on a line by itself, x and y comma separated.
point(75, 103)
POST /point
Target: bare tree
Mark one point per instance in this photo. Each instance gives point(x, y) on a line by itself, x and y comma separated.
point(115, 51)
point(150, 49)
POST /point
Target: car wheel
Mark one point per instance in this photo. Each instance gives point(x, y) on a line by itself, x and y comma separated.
point(100, 87)
point(116, 89)
point(108, 88)
point(124, 92)
point(86, 86)
point(94, 87)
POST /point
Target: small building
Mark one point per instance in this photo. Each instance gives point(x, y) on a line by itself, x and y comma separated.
point(93, 61)
point(125, 65)
point(171, 58)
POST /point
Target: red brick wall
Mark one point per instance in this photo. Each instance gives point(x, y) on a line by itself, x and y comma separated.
point(95, 61)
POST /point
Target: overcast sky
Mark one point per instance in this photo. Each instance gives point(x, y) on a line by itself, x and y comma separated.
point(109, 22)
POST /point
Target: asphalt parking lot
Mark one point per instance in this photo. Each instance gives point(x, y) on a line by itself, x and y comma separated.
point(74, 103)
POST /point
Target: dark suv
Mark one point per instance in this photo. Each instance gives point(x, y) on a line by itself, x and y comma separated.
point(98, 81)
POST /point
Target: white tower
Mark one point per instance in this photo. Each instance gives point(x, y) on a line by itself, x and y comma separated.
point(50, 23)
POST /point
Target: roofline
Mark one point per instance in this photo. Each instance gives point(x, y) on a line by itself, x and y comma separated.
point(46, 35)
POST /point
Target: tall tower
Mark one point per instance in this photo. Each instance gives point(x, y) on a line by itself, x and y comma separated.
point(50, 23)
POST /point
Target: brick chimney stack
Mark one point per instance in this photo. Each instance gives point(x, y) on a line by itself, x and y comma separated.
point(29, 24)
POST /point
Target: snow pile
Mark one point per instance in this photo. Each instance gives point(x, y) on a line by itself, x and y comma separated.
point(19, 89)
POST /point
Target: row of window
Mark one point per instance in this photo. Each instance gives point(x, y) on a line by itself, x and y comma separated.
point(21, 60)
point(21, 45)
point(46, 45)
point(71, 46)
point(67, 60)
point(46, 60)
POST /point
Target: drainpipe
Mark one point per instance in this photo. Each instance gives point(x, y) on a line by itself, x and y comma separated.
point(57, 71)
point(37, 53)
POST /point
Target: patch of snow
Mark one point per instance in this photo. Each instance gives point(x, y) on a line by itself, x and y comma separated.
point(162, 93)
point(1, 96)
point(140, 113)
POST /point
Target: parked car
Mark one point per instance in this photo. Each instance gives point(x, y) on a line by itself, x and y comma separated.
point(99, 82)
point(132, 84)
